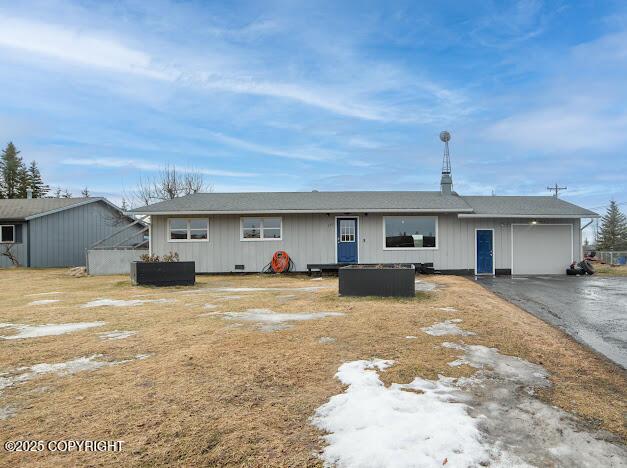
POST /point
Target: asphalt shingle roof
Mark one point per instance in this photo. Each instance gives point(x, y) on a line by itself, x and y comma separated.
point(309, 201)
point(373, 201)
point(20, 209)
point(524, 205)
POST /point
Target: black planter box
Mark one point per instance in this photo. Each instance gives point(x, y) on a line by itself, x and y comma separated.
point(378, 280)
point(163, 273)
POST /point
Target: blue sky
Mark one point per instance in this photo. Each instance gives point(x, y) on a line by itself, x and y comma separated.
point(320, 95)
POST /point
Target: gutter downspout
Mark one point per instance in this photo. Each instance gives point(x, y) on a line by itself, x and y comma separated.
point(28, 244)
point(581, 235)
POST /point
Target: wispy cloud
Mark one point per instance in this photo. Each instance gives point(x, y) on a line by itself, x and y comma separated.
point(77, 46)
point(311, 154)
point(147, 166)
point(562, 129)
point(104, 51)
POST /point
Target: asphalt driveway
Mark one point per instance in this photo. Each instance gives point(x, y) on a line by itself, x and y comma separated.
point(591, 309)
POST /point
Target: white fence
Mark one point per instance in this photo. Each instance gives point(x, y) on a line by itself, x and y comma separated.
point(613, 258)
point(112, 261)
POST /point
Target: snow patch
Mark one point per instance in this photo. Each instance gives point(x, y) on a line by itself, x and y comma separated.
point(447, 327)
point(411, 337)
point(424, 286)
point(116, 335)
point(447, 309)
point(7, 412)
point(483, 420)
point(326, 340)
point(317, 279)
point(35, 331)
point(44, 293)
point(506, 367)
point(81, 364)
point(122, 303)
point(512, 419)
point(209, 306)
point(271, 321)
point(242, 289)
point(229, 298)
point(405, 425)
point(43, 302)
point(247, 290)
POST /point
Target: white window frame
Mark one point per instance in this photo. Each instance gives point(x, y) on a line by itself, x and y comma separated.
point(2, 241)
point(261, 229)
point(189, 239)
point(437, 237)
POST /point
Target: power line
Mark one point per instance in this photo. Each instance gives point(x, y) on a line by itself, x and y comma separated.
point(556, 189)
point(605, 206)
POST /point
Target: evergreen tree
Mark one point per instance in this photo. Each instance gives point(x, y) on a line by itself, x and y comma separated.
point(613, 233)
point(23, 181)
point(11, 172)
point(36, 182)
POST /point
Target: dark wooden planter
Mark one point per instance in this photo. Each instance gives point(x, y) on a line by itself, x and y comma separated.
point(163, 273)
point(378, 280)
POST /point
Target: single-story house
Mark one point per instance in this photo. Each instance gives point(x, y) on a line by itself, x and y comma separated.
point(228, 232)
point(56, 232)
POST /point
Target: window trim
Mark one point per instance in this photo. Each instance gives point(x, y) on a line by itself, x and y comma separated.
point(261, 229)
point(437, 238)
point(189, 239)
point(14, 241)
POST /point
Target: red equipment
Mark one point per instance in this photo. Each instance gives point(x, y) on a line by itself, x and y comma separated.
point(280, 262)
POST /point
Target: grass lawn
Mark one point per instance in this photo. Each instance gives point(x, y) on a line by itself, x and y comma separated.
point(609, 270)
point(196, 388)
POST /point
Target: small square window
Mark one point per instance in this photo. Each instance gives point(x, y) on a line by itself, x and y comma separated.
point(7, 234)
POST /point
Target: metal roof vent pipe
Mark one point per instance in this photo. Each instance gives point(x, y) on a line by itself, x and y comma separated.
point(29, 193)
point(446, 182)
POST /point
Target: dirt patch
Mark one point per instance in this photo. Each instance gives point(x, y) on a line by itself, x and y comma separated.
point(213, 394)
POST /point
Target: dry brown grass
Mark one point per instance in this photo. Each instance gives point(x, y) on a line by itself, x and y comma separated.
point(610, 270)
point(214, 394)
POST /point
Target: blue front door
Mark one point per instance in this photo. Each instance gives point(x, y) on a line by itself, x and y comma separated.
point(347, 240)
point(485, 251)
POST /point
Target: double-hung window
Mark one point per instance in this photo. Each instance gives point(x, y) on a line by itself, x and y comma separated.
point(410, 232)
point(7, 234)
point(252, 229)
point(188, 229)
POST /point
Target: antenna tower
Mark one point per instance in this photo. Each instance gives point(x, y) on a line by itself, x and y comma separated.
point(446, 162)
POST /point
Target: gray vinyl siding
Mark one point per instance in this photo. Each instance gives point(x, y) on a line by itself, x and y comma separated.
point(19, 249)
point(310, 238)
point(61, 239)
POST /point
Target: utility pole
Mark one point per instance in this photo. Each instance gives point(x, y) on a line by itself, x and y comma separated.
point(556, 189)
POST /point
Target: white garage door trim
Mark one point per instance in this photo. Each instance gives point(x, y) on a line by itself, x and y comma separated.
point(572, 240)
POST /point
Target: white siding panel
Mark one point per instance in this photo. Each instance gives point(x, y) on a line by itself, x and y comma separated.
point(310, 238)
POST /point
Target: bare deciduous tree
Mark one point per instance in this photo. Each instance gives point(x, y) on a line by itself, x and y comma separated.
point(169, 184)
point(8, 253)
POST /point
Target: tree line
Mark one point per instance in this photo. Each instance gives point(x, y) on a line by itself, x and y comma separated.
point(17, 177)
point(612, 234)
